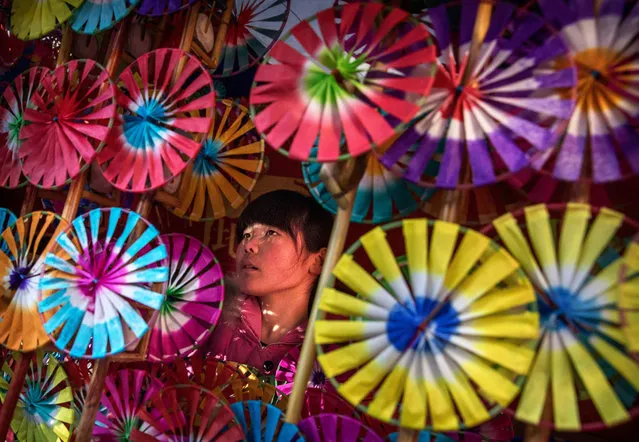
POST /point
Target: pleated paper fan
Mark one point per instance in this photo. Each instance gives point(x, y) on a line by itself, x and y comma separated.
point(43, 412)
point(573, 254)
point(334, 73)
point(13, 104)
point(66, 123)
point(101, 287)
point(193, 299)
point(629, 297)
point(163, 117)
point(262, 422)
point(445, 350)
point(225, 170)
point(96, 16)
point(287, 368)
point(424, 436)
point(336, 428)
point(186, 412)
point(478, 127)
point(155, 8)
point(7, 218)
point(600, 143)
point(31, 19)
point(126, 392)
point(28, 240)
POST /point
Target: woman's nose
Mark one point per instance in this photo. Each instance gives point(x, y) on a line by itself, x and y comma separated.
point(251, 246)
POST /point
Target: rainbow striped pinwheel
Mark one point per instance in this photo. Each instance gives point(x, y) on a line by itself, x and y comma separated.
point(601, 140)
point(7, 218)
point(225, 171)
point(43, 412)
point(285, 374)
point(335, 74)
point(629, 297)
point(95, 16)
point(511, 106)
point(187, 413)
point(424, 436)
point(193, 301)
point(442, 350)
point(28, 240)
point(573, 256)
point(262, 422)
point(126, 392)
point(66, 123)
point(163, 101)
point(336, 428)
point(31, 19)
point(13, 103)
point(99, 289)
point(162, 7)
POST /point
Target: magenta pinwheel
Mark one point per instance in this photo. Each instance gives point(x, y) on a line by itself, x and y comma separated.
point(495, 115)
point(193, 301)
point(601, 140)
point(318, 401)
point(285, 373)
point(163, 103)
point(99, 291)
point(336, 428)
point(342, 76)
point(13, 104)
point(66, 123)
point(162, 7)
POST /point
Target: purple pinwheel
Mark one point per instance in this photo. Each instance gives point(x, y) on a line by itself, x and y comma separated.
point(285, 373)
point(336, 428)
point(162, 7)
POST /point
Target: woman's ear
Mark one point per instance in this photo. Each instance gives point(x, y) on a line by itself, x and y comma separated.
point(318, 262)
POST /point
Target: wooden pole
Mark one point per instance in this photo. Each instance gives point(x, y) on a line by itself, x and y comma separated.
point(220, 37)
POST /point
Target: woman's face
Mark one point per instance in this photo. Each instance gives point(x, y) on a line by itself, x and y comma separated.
point(269, 261)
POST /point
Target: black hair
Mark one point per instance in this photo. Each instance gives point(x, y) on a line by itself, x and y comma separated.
point(292, 213)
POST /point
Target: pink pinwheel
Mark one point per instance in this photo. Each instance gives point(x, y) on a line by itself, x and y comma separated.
point(157, 133)
point(285, 373)
point(162, 7)
point(318, 401)
point(193, 299)
point(495, 115)
point(343, 76)
point(336, 428)
point(66, 123)
point(13, 104)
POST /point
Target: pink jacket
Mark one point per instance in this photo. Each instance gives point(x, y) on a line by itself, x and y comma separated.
point(237, 336)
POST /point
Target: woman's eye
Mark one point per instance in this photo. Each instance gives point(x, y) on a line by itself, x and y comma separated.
point(246, 236)
point(271, 232)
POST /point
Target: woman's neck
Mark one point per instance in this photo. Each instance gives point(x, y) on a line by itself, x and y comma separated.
point(282, 312)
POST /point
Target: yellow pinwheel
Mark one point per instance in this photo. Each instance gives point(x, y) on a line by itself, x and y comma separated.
point(31, 19)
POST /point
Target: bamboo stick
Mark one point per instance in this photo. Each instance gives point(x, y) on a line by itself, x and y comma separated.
point(220, 37)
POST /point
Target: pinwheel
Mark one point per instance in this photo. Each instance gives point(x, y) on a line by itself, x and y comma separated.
point(28, 240)
point(318, 401)
point(629, 297)
point(451, 342)
point(285, 373)
point(336, 428)
point(262, 422)
point(31, 19)
point(238, 390)
point(13, 104)
point(187, 412)
point(363, 57)
point(162, 7)
point(156, 134)
point(7, 218)
point(43, 412)
point(496, 115)
point(125, 394)
point(424, 436)
point(204, 372)
point(603, 131)
point(99, 15)
point(73, 111)
point(97, 290)
point(193, 301)
point(573, 254)
point(225, 171)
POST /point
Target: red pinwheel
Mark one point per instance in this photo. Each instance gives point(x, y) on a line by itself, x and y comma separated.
point(66, 123)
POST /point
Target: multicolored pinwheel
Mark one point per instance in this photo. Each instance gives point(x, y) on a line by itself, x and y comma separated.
point(336, 428)
point(285, 374)
point(187, 412)
point(99, 289)
point(495, 115)
point(209, 373)
point(424, 436)
point(13, 104)
point(225, 171)
point(601, 140)
point(66, 123)
point(262, 422)
point(629, 297)
point(193, 301)
point(43, 412)
point(99, 15)
point(31, 19)
point(163, 104)
point(334, 75)
point(162, 7)
point(28, 240)
point(451, 341)
point(126, 393)
point(573, 255)
point(7, 218)
point(238, 390)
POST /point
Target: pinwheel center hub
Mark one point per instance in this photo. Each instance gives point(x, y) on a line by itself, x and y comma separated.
point(18, 277)
point(318, 378)
point(173, 295)
point(15, 125)
point(563, 309)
